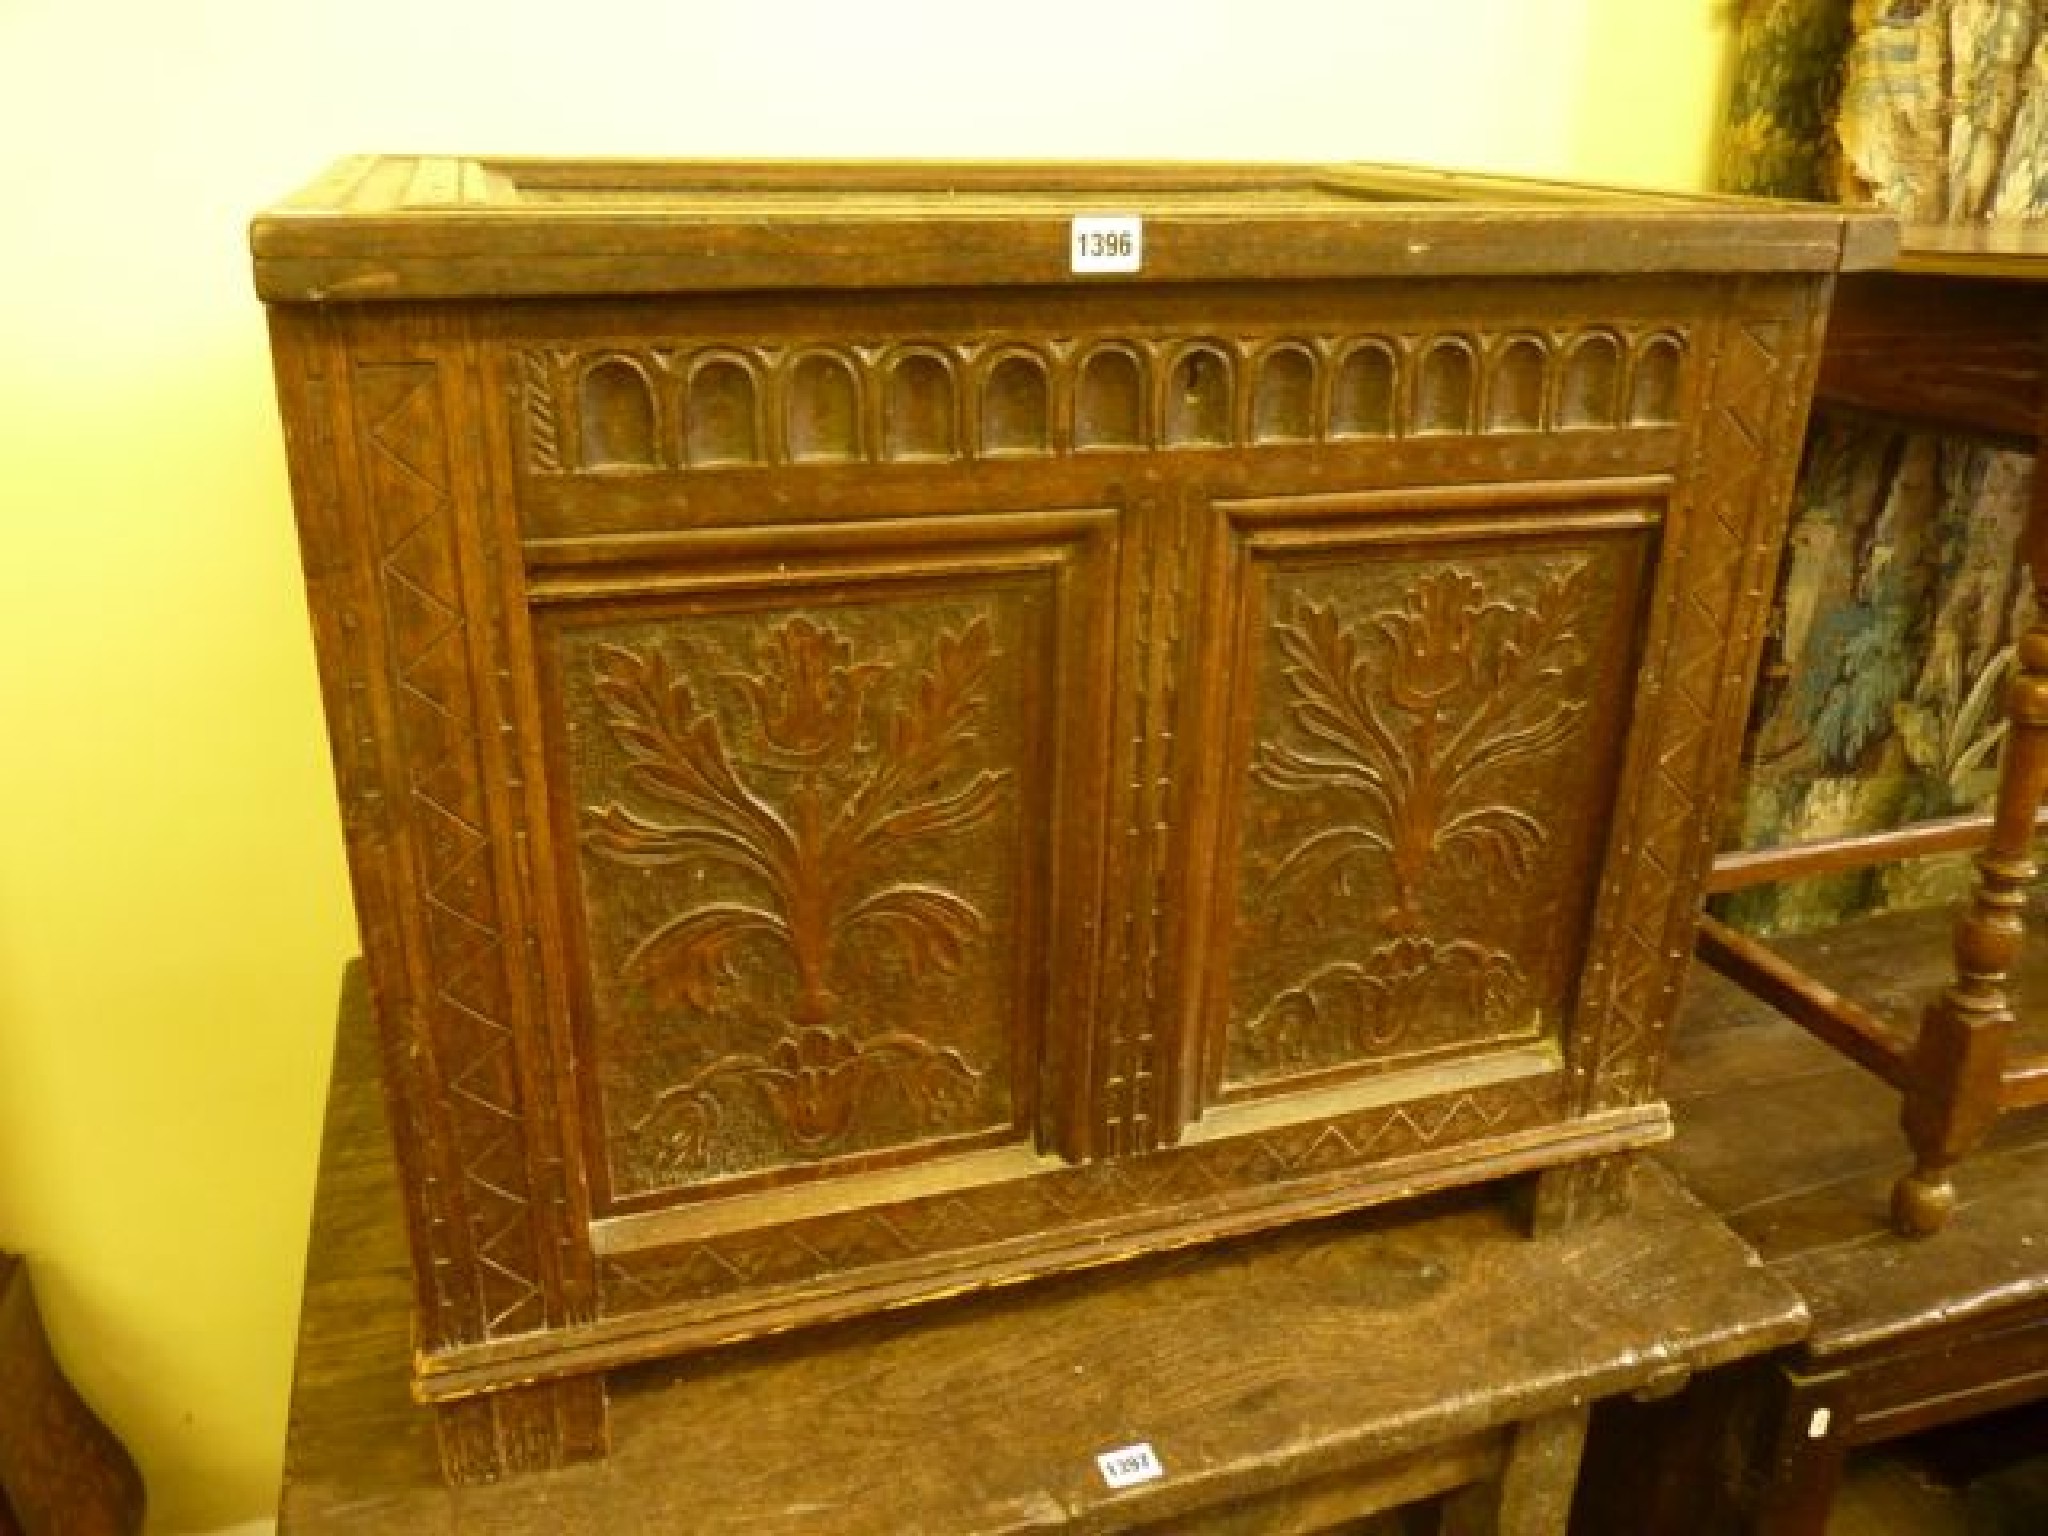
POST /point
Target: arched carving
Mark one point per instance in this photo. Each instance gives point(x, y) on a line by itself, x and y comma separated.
point(1362, 398)
point(1109, 404)
point(823, 410)
point(1446, 386)
point(1284, 398)
point(721, 417)
point(933, 399)
point(1653, 391)
point(919, 419)
point(1015, 418)
point(1591, 393)
point(617, 411)
point(1514, 389)
point(1198, 396)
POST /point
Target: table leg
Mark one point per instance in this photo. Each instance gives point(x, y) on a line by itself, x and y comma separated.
point(1958, 1062)
point(1533, 1496)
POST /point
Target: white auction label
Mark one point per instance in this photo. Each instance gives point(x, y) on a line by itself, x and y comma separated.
point(1130, 1465)
point(1108, 243)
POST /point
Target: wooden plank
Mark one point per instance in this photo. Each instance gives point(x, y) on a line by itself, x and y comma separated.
point(1907, 1389)
point(1800, 1161)
point(1987, 248)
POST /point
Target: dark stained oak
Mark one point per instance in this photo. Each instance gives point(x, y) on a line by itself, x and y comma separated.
point(1795, 1147)
point(1294, 1382)
point(877, 765)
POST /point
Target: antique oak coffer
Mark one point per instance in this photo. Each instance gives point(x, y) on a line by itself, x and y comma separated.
point(904, 727)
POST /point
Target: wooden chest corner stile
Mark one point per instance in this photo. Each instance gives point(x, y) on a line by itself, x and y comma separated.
point(877, 764)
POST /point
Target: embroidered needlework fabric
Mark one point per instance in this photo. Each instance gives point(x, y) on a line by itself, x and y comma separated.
point(1778, 138)
point(1881, 698)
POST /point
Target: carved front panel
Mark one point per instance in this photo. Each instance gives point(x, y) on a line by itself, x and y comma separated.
point(811, 836)
point(1426, 733)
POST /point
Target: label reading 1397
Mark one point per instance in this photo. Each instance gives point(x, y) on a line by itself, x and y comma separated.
point(1129, 1465)
point(1108, 243)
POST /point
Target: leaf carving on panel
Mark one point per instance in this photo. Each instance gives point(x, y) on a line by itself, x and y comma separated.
point(1351, 1007)
point(1407, 714)
point(810, 829)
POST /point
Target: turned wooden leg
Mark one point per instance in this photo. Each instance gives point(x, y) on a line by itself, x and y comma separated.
point(1958, 1061)
point(1533, 1496)
point(522, 1429)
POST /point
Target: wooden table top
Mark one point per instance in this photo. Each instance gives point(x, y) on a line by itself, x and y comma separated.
point(1797, 1148)
point(1997, 248)
point(1289, 1362)
point(1953, 337)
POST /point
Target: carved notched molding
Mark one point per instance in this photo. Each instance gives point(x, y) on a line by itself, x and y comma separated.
point(709, 406)
point(1102, 1191)
point(1757, 379)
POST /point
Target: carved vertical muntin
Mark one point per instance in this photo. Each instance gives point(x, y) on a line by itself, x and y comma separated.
point(1135, 1004)
point(1746, 404)
point(423, 681)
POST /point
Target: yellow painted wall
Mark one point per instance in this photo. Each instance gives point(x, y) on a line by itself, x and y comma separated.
point(173, 911)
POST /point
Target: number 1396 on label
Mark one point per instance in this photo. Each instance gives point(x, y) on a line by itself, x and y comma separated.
point(1108, 243)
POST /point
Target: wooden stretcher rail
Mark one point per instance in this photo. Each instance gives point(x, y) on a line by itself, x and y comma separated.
point(1744, 868)
point(1842, 1022)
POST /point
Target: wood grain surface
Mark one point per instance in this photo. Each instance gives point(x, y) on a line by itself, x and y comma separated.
point(876, 765)
point(1791, 1144)
point(1797, 1147)
point(1335, 1369)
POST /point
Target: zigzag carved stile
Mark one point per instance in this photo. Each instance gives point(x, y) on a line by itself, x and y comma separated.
point(1757, 383)
point(487, 1235)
